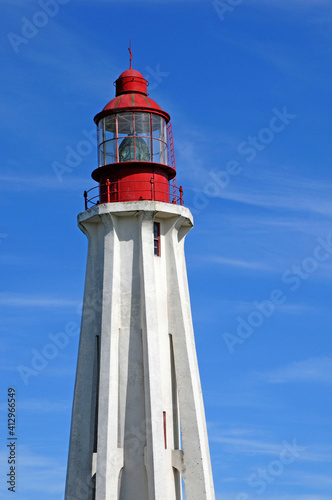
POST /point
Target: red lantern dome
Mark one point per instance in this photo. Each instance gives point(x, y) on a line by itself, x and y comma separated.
point(135, 146)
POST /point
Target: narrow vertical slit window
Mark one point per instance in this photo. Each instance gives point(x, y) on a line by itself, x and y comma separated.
point(97, 378)
point(165, 435)
point(156, 238)
point(97, 358)
point(175, 405)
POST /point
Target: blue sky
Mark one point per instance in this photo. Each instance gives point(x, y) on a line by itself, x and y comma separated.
point(247, 85)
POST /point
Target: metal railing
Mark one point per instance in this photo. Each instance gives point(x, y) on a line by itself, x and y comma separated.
point(112, 192)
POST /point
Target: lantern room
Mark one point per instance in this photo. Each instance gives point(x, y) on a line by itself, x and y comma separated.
point(135, 147)
point(132, 136)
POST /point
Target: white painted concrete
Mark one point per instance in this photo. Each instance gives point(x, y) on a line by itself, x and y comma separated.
point(137, 309)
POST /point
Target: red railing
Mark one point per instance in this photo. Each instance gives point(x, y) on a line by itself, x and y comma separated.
point(171, 144)
point(111, 192)
point(171, 153)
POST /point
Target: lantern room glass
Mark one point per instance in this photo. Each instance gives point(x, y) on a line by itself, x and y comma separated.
point(132, 136)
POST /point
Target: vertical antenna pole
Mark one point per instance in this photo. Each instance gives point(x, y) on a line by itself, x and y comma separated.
point(131, 54)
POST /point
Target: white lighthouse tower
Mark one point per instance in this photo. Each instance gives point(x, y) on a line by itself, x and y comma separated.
point(138, 422)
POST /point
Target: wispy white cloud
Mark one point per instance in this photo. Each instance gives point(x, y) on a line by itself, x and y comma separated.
point(39, 473)
point(44, 183)
point(280, 54)
point(271, 186)
point(320, 481)
point(258, 442)
point(144, 1)
point(42, 406)
point(256, 224)
point(191, 163)
point(242, 398)
point(61, 372)
point(294, 3)
point(318, 370)
point(272, 2)
point(247, 446)
point(39, 301)
point(274, 188)
point(243, 307)
point(237, 263)
point(279, 198)
point(280, 496)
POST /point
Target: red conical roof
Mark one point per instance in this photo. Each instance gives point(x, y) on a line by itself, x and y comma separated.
point(131, 94)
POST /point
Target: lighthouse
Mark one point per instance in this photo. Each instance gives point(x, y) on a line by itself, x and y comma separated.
point(138, 427)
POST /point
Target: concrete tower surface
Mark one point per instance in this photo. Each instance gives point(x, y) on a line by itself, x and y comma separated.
point(138, 422)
